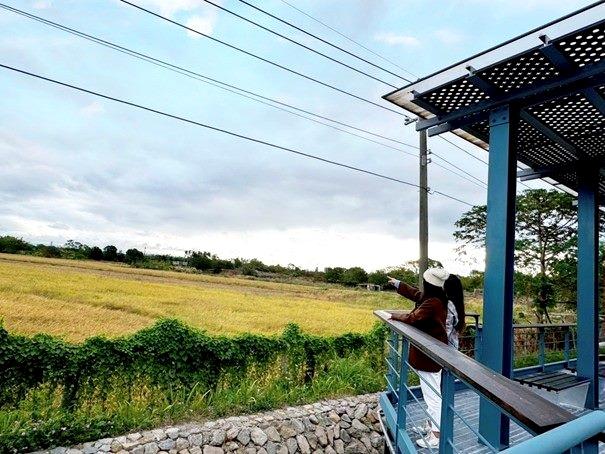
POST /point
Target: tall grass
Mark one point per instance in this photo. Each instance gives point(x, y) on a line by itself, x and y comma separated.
point(77, 300)
point(40, 421)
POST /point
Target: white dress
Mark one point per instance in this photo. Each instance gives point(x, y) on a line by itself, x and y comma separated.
point(450, 322)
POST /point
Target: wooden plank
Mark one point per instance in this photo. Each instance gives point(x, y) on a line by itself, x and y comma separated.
point(537, 376)
point(532, 411)
point(559, 383)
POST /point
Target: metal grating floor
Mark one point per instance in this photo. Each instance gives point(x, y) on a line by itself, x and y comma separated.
point(467, 405)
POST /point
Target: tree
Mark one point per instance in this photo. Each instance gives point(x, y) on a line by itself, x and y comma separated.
point(95, 253)
point(473, 281)
point(334, 275)
point(75, 250)
point(404, 273)
point(110, 253)
point(354, 276)
point(378, 278)
point(200, 260)
point(133, 256)
point(414, 265)
point(11, 245)
point(49, 251)
point(545, 231)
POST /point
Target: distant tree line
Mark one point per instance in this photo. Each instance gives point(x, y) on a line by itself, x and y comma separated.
point(73, 250)
point(208, 262)
point(211, 263)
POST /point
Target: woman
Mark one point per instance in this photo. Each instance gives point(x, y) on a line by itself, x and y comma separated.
point(429, 316)
point(454, 323)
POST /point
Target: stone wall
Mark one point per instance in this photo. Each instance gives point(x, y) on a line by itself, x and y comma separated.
point(345, 426)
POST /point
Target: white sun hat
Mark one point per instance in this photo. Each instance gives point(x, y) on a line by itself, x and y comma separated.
point(436, 276)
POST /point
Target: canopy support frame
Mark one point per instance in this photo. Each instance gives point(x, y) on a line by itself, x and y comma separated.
point(499, 266)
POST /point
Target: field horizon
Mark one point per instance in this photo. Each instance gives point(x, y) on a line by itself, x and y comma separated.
point(77, 299)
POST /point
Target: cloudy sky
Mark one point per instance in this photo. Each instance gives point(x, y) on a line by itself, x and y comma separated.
point(79, 167)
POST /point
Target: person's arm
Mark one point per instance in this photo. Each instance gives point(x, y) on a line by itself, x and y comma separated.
point(409, 292)
point(422, 312)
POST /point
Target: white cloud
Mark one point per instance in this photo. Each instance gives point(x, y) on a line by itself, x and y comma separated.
point(92, 109)
point(448, 36)
point(171, 7)
point(393, 39)
point(203, 24)
point(42, 4)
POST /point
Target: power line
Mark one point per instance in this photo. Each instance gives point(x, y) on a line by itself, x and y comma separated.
point(463, 150)
point(348, 38)
point(385, 59)
point(219, 84)
point(478, 159)
point(283, 21)
point(293, 41)
point(216, 83)
point(266, 60)
point(232, 89)
point(224, 131)
point(481, 185)
point(458, 168)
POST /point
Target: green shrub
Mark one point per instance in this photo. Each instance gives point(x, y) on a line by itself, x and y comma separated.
point(53, 392)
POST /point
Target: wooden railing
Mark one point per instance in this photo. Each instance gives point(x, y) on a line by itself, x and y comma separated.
point(532, 412)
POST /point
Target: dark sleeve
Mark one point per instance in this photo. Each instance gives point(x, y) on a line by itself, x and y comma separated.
point(423, 312)
point(411, 293)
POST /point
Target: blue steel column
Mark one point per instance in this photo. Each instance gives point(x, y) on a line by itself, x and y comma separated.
point(588, 296)
point(496, 348)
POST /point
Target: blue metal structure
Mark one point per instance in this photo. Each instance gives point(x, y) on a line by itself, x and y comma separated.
point(500, 238)
point(530, 413)
point(588, 248)
point(537, 100)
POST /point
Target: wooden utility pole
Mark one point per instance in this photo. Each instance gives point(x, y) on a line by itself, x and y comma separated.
point(423, 205)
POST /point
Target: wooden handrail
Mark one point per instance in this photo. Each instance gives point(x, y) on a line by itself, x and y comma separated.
point(532, 411)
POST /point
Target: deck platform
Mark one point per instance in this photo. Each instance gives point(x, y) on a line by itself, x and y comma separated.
point(467, 404)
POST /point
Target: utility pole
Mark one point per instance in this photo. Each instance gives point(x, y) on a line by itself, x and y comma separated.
point(423, 205)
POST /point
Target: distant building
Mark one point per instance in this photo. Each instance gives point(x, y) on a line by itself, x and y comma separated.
point(371, 287)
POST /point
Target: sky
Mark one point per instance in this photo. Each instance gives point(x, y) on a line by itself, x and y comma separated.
point(89, 169)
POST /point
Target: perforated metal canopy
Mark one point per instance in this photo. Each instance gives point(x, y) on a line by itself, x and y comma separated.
point(554, 75)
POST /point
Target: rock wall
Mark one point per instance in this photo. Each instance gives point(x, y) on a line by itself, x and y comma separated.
point(346, 426)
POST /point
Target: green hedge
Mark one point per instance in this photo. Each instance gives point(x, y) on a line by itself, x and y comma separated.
point(42, 377)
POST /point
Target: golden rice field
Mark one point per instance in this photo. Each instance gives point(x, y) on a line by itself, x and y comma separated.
point(79, 299)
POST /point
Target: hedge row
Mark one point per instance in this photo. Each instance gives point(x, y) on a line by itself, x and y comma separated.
point(166, 355)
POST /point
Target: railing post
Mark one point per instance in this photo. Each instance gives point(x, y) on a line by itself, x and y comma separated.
point(542, 347)
point(448, 390)
point(403, 391)
point(496, 349)
point(566, 348)
point(478, 334)
point(392, 358)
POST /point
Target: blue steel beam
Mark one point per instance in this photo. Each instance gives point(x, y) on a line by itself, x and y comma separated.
point(543, 172)
point(548, 132)
point(496, 351)
point(595, 99)
point(495, 93)
point(562, 63)
point(587, 287)
point(562, 86)
point(559, 61)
